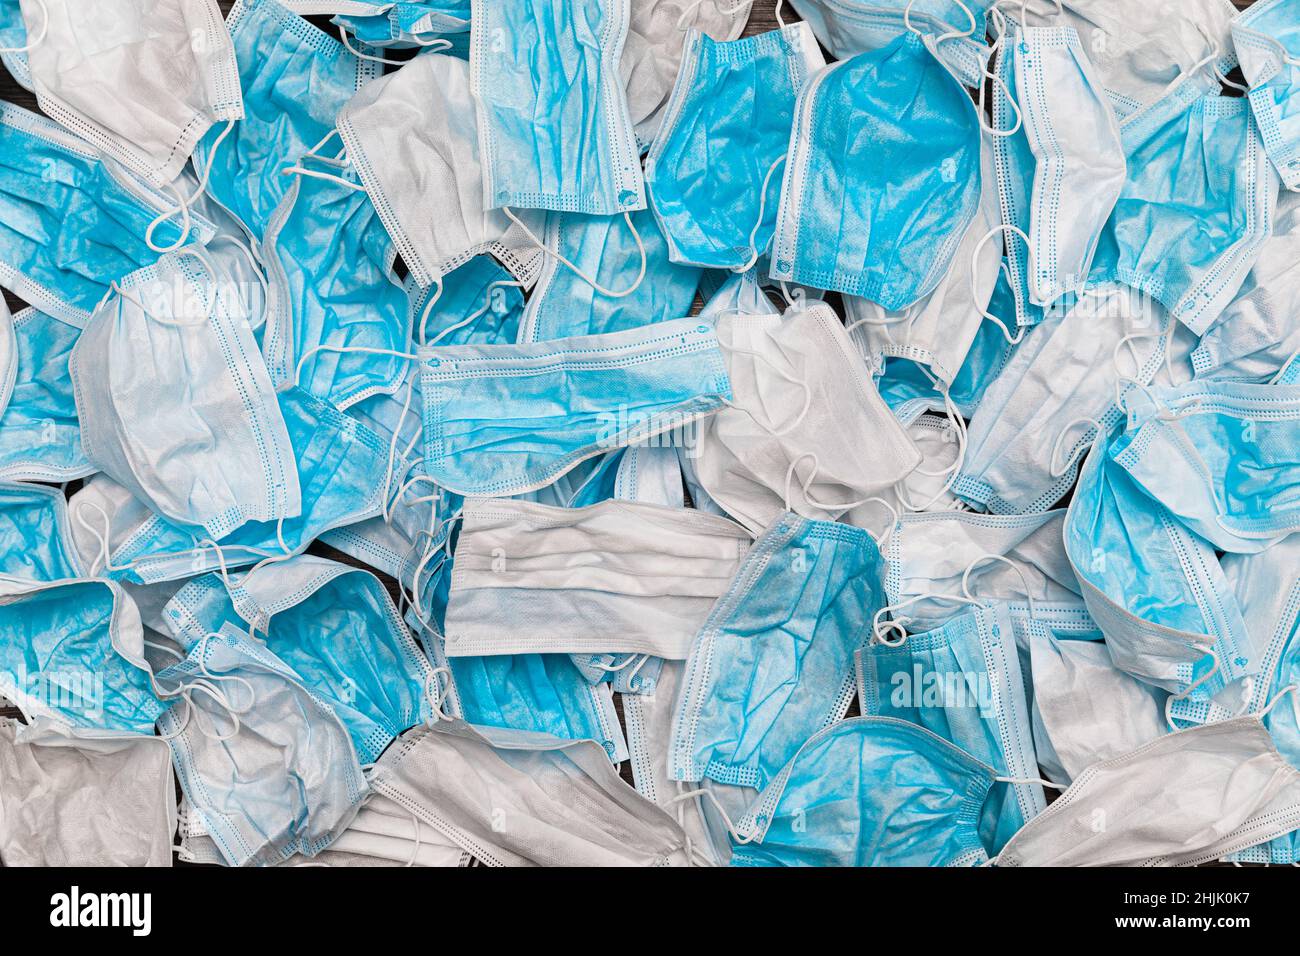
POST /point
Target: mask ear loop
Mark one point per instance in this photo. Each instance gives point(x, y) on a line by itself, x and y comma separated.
point(438, 692)
point(1294, 691)
point(953, 414)
point(445, 551)
point(183, 205)
point(343, 37)
point(40, 37)
point(1075, 455)
point(487, 305)
point(298, 169)
point(785, 376)
point(732, 11)
point(979, 246)
point(1024, 580)
point(1214, 60)
point(762, 207)
point(896, 624)
point(1169, 701)
point(103, 558)
point(699, 792)
point(1000, 27)
point(951, 34)
point(1276, 379)
point(207, 684)
point(1211, 57)
point(546, 250)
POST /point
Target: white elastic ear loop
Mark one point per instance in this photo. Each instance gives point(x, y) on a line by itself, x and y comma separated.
point(1214, 54)
point(546, 250)
point(211, 307)
point(1033, 781)
point(474, 316)
point(999, 45)
point(1295, 356)
point(364, 349)
point(102, 562)
point(183, 205)
point(422, 325)
point(951, 34)
point(298, 169)
point(438, 692)
point(1169, 701)
point(1024, 580)
point(762, 206)
point(953, 415)
point(1294, 691)
point(979, 247)
point(1214, 62)
point(785, 376)
point(730, 11)
point(343, 38)
point(1024, 11)
point(699, 792)
point(880, 627)
point(807, 483)
point(40, 37)
point(207, 684)
point(1052, 468)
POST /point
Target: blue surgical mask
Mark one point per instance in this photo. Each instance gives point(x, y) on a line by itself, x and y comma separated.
point(1197, 205)
point(73, 651)
point(963, 683)
point(773, 663)
point(93, 215)
point(35, 534)
point(562, 304)
point(863, 128)
point(503, 420)
point(554, 129)
point(1267, 39)
point(40, 434)
point(711, 169)
point(870, 791)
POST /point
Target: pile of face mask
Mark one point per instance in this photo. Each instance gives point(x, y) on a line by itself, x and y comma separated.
point(933, 361)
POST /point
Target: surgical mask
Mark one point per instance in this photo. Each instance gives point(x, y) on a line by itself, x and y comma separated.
point(1267, 39)
point(393, 25)
point(143, 82)
point(341, 470)
point(175, 401)
point(504, 420)
point(1087, 708)
point(84, 798)
point(925, 489)
point(295, 80)
point(911, 799)
point(93, 217)
point(1256, 336)
point(422, 119)
point(858, 134)
point(564, 304)
point(645, 575)
point(806, 431)
point(520, 799)
point(264, 763)
point(1186, 798)
point(386, 833)
point(35, 534)
point(553, 121)
point(73, 651)
point(1222, 456)
point(773, 663)
point(935, 559)
point(963, 682)
point(1064, 374)
point(1196, 208)
point(710, 171)
point(1155, 589)
point(653, 51)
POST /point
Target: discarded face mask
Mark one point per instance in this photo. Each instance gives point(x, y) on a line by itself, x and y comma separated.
point(1266, 37)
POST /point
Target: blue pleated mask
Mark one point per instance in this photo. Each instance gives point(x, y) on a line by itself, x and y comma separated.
point(1267, 40)
point(35, 535)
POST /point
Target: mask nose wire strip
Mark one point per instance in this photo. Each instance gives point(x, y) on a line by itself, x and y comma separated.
point(183, 204)
point(40, 37)
point(546, 250)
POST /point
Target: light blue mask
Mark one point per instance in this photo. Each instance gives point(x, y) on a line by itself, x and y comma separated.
point(35, 537)
point(563, 305)
point(1196, 208)
point(1156, 590)
point(773, 664)
point(1222, 456)
point(503, 420)
point(726, 128)
point(870, 791)
point(40, 435)
point(72, 650)
point(554, 129)
point(70, 221)
point(267, 767)
point(1267, 39)
point(883, 176)
point(963, 683)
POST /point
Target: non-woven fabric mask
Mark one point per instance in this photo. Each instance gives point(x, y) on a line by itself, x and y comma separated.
point(142, 81)
point(268, 767)
point(563, 304)
point(1222, 456)
point(554, 129)
point(870, 791)
point(806, 430)
point(1257, 334)
point(503, 420)
point(1267, 39)
point(1197, 205)
point(619, 577)
point(1267, 588)
point(963, 682)
point(35, 534)
point(1155, 589)
point(1080, 165)
point(175, 401)
point(71, 220)
point(73, 651)
point(82, 798)
point(1064, 371)
point(773, 664)
point(934, 559)
point(413, 138)
point(882, 177)
point(726, 129)
point(518, 799)
point(653, 51)
point(1186, 798)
